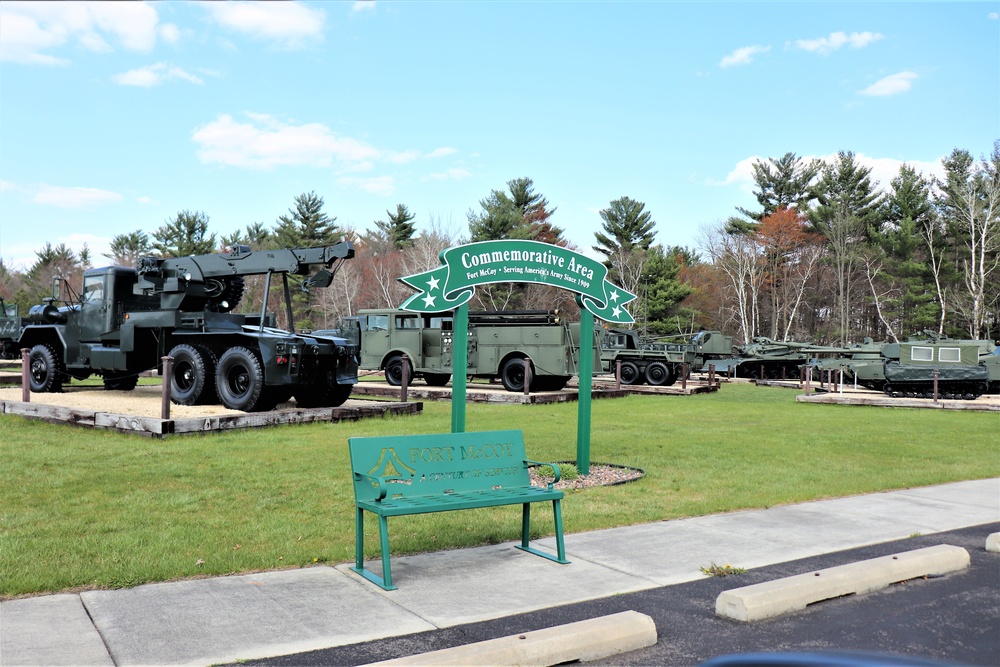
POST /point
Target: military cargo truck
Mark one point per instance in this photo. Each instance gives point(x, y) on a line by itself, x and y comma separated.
point(659, 363)
point(498, 344)
point(126, 320)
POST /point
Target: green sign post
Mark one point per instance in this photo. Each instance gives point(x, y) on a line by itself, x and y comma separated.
point(452, 285)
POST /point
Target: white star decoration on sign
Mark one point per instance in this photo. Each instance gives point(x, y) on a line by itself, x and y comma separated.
point(429, 300)
point(614, 296)
point(617, 312)
point(432, 285)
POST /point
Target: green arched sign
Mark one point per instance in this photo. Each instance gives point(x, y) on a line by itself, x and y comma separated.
point(452, 285)
point(463, 267)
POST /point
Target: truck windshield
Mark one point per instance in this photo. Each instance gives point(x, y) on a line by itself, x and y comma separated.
point(375, 323)
point(93, 288)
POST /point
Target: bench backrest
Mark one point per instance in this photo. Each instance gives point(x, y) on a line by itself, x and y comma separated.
point(438, 463)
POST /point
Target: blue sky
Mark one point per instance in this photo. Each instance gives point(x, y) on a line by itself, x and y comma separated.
point(115, 116)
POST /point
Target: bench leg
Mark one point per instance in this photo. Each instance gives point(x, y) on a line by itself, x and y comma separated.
point(385, 581)
point(383, 531)
point(526, 534)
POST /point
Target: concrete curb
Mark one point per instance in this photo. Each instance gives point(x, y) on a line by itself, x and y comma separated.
point(993, 542)
point(773, 598)
point(582, 641)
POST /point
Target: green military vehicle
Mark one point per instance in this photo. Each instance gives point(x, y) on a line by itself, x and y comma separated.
point(127, 319)
point(498, 344)
point(659, 363)
point(954, 366)
point(10, 330)
point(867, 368)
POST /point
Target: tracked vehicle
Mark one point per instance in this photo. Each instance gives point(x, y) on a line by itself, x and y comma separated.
point(127, 319)
point(960, 373)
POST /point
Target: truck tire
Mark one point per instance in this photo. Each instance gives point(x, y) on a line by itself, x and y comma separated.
point(550, 382)
point(339, 393)
point(191, 375)
point(208, 395)
point(437, 379)
point(331, 396)
point(44, 370)
point(394, 370)
point(657, 373)
point(239, 379)
point(512, 374)
point(630, 373)
point(121, 382)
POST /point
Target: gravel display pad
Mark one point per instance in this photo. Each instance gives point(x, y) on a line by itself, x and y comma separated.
point(143, 401)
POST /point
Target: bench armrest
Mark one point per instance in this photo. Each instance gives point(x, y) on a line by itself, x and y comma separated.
point(383, 490)
point(554, 466)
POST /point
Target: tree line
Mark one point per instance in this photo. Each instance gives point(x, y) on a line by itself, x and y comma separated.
point(828, 256)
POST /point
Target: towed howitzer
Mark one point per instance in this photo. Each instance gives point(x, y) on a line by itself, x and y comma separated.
point(765, 358)
point(127, 319)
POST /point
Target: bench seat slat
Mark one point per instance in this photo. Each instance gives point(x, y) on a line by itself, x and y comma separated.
point(459, 500)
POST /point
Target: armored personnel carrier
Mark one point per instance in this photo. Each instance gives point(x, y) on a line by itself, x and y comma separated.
point(955, 368)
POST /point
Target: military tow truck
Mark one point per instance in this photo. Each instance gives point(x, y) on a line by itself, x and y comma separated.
point(127, 319)
point(498, 344)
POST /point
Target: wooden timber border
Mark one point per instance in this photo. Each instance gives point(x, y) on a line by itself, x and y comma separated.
point(477, 394)
point(484, 393)
point(160, 428)
point(890, 402)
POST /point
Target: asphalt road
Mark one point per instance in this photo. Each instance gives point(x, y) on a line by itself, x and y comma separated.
point(954, 618)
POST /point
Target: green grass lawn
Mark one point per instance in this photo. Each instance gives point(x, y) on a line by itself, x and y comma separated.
point(95, 509)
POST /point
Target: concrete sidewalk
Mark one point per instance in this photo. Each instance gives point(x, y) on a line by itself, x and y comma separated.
point(225, 619)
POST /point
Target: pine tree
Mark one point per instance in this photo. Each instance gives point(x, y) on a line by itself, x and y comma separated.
point(786, 182)
point(306, 225)
point(187, 234)
point(521, 214)
point(126, 249)
point(399, 228)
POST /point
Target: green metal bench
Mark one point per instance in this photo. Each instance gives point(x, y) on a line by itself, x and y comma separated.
point(418, 474)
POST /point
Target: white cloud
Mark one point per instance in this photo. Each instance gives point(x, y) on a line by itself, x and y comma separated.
point(743, 56)
point(170, 33)
point(363, 5)
point(403, 157)
point(154, 75)
point(74, 197)
point(267, 142)
point(288, 23)
point(825, 45)
point(27, 29)
point(993, 16)
point(382, 186)
point(444, 151)
point(890, 85)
